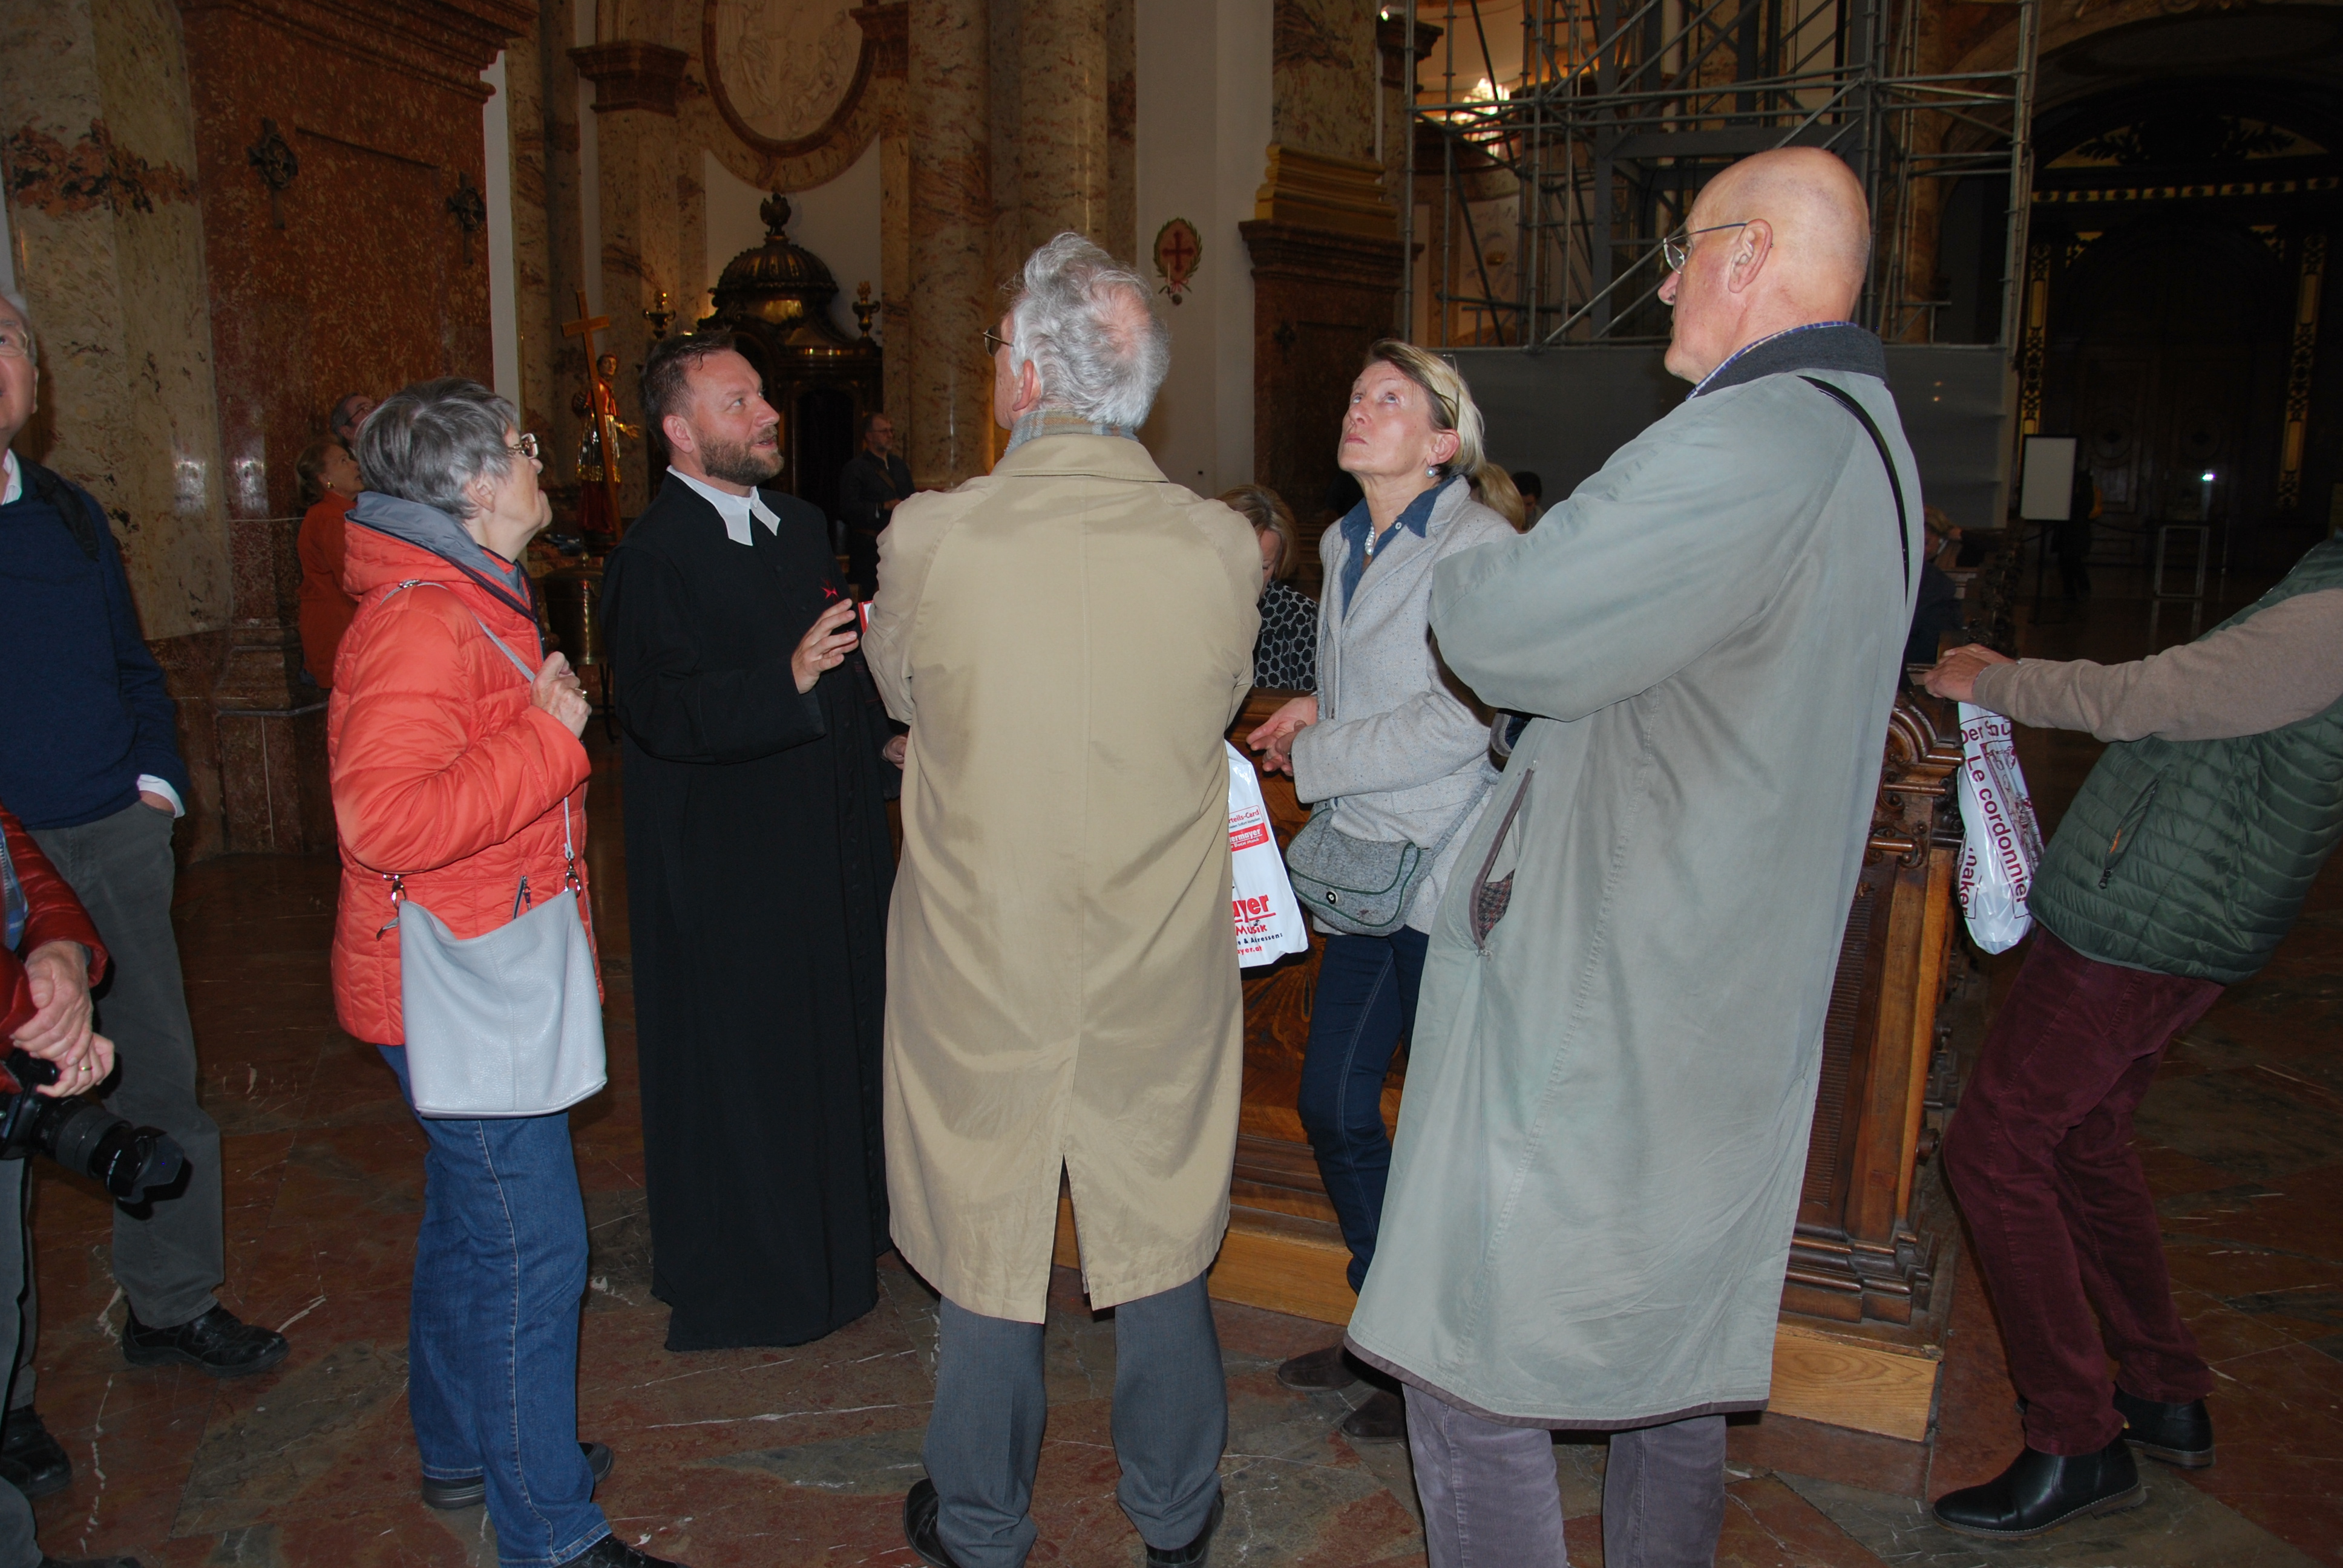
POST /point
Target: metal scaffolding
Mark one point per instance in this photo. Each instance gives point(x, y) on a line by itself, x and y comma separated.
point(1543, 184)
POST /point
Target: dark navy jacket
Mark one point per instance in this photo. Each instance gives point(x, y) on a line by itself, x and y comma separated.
point(86, 712)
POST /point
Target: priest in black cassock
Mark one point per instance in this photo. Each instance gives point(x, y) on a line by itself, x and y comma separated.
point(758, 762)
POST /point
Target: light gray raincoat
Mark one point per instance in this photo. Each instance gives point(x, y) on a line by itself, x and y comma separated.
point(1614, 1062)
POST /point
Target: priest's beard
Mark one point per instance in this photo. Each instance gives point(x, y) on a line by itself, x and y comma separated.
point(736, 463)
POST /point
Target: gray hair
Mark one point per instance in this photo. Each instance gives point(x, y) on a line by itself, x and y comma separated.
point(426, 442)
point(1083, 322)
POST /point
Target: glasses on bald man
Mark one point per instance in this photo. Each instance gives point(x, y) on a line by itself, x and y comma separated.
point(1678, 247)
point(16, 342)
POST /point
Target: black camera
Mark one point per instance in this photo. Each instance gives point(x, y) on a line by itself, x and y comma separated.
point(132, 1163)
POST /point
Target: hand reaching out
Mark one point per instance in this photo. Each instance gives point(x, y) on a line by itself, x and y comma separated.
point(1956, 674)
point(824, 646)
point(1274, 739)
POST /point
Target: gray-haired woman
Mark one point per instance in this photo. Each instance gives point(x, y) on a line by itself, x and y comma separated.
point(1389, 746)
point(463, 778)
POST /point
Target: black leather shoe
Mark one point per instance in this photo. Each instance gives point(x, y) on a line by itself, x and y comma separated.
point(1314, 1372)
point(31, 1460)
point(219, 1342)
point(919, 1506)
point(1383, 1418)
point(612, 1552)
point(2040, 1492)
point(473, 1490)
point(1197, 1552)
point(2179, 1434)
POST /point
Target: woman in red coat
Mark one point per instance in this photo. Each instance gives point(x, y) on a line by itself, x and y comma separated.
point(329, 483)
point(461, 776)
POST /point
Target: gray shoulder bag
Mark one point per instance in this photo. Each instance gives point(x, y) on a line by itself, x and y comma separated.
point(507, 1023)
point(1362, 886)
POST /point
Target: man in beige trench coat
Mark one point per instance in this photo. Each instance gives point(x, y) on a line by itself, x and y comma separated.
point(1068, 638)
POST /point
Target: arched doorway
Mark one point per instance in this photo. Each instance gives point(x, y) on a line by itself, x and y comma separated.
point(2174, 358)
point(2175, 266)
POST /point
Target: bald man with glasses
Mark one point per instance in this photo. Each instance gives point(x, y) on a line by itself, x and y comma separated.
point(1616, 1046)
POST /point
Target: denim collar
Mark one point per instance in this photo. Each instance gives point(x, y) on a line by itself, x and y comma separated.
point(1816, 346)
point(1358, 528)
point(1057, 422)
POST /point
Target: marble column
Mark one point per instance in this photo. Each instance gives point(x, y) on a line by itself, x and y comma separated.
point(1062, 151)
point(641, 191)
point(560, 362)
point(1323, 241)
point(533, 297)
point(108, 241)
point(951, 219)
point(303, 115)
point(1121, 234)
point(887, 26)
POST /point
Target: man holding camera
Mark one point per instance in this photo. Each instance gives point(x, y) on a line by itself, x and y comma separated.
point(89, 760)
point(49, 956)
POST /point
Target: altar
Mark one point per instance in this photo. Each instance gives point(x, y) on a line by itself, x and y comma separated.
point(1865, 1296)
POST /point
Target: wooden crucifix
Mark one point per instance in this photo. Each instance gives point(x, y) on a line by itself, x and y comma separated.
point(598, 410)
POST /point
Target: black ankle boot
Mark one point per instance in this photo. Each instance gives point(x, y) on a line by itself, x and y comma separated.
point(2040, 1492)
point(2179, 1434)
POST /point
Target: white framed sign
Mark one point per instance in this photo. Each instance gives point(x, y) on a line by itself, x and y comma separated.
point(2047, 487)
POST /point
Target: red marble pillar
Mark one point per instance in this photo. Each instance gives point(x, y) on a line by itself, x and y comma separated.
point(339, 152)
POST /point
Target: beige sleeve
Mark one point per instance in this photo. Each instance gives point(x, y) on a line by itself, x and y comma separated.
point(2282, 665)
point(907, 549)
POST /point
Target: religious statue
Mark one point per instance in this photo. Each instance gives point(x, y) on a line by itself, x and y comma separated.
point(598, 477)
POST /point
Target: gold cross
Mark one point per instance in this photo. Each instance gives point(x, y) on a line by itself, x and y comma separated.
point(586, 326)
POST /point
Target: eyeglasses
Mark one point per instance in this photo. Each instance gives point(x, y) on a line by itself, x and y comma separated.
point(1678, 247)
point(16, 343)
point(526, 447)
point(993, 343)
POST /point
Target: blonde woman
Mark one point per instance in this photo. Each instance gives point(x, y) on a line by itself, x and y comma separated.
point(1388, 746)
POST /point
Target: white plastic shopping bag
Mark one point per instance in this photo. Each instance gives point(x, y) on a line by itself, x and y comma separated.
point(1268, 916)
point(2001, 843)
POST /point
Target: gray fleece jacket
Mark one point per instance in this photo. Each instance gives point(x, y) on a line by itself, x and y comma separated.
point(1397, 747)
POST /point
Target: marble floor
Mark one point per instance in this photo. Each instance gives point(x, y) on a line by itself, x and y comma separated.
point(800, 1457)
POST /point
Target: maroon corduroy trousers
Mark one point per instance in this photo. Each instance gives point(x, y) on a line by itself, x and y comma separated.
point(2039, 1157)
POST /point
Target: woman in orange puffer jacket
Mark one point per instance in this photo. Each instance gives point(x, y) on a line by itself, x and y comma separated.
point(459, 775)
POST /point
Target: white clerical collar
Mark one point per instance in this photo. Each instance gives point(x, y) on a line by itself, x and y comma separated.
point(15, 485)
point(736, 510)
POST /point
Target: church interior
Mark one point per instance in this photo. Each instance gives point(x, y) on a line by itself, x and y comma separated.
point(2102, 238)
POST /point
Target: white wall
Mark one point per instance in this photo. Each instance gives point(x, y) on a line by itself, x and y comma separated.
point(1202, 135)
point(838, 222)
point(504, 320)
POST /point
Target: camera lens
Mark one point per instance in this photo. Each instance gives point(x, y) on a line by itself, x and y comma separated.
point(84, 1136)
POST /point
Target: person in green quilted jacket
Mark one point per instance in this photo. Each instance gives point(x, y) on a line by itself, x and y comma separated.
point(2174, 875)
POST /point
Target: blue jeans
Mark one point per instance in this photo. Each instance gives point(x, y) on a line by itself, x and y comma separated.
point(492, 1330)
point(1365, 1003)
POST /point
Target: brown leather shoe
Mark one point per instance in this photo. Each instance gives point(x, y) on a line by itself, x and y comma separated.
point(1383, 1418)
point(1316, 1372)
